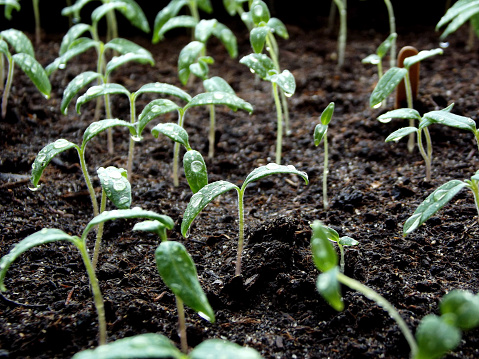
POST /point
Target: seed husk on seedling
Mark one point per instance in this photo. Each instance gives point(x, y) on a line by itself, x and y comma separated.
point(209, 192)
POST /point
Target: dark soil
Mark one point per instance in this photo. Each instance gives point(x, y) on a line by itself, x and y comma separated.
point(373, 186)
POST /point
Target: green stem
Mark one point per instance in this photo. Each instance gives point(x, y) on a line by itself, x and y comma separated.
point(99, 233)
point(176, 151)
point(131, 147)
point(476, 135)
point(36, 13)
point(8, 85)
point(341, 261)
point(95, 288)
point(343, 28)
point(112, 31)
point(392, 30)
point(211, 149)
point(331, 17)
point(407, 84)
point(475, 191)
point(239, 251)
point(194, 12)
point(325, 174)
point(382, 302)
point(182, 325)
point(2, 72)
point(89, 185)
point(429, 153)
point(424, 155)
point(279, 117)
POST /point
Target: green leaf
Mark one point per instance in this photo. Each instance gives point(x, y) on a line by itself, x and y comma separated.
point(205, 5)
point(456, 9)
point(324, 256)
point(43, 236)
point(257, 38)
point(216, 348)
point(457, 15)
point(100, 90)
point(200, 199)
point(372, 59)
point(165, 89)
point(35, 72)
point(216, 83)
point(404, 113)
point(411, 60)
point(77, 47)
point(402, 132)
point(386, 85)
point(75, 9)
point(136, 212)
point(328, 286)
point(135, 15)
point(151, 111)
point(464, 307)
point(319, 132)
point(75, 86)
point(433, 203)
point(97, 127)
point(72, 34)
point(10, 5)
point(4, 48)
point(435, 337)
point(116, 186)
point(227, 37)
point(149, 345)
point(188, 56)
point(178, 271)
point(172, 131)
point(117, 61)
point(260, 12)
point(124, 46)
point(19, 41)
point(449, 119)
point(152, 226)
point(104, 9)
point(200, 69)
point(383, 49)
point(327, 114)
point(475, 177)
point(176, 22)
point(259, 64)
point(204, 29)
point(347, 241)
point(45, 156)
point(272, 169)
point(168, 12)
point(220, 98)
point(231, 6)
point(278, 27)
point(195, 170)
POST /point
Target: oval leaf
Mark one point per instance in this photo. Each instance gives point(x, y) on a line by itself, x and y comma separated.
point(228, 38)
point(411, 60)
point(75, 86)
point(105, 8)
point(172, 131)
point(38, 238)
point(151, 111)
point(386, 85)
point(433, 203)
point(133, 12)
point(165, 89)
point(77, 47)
point(178, 21)
point(216, 348)
point(19, 41)
point(451, 120)
point(72, 34)
point(152, 226)
point(204, 29)
point(10, 5)
point(404, 113)
point(178, 271)
point(117, 61)
point(257, 38)
point(285, 80)
point(259, 64)
point(124, 46)
point(382, 49)
point(435, 337)
point(97, 127)
point(149, 345)
point(45, 156)
point(195, 170)
point(278, 27)
point(116, 186)
point(260, 12)
point(324, 255)
point(200, 199)
point(217, 83)
point(347, 241)
point(319, 131)
point(402, 132)
point(188, 55)
point(35, 72)
point(168, 12)
point(328, 286)
point(464, 306)
point(100, 90)
point(220, 98)
point(272, 169)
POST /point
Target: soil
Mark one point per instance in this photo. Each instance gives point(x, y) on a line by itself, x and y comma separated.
point(373, 187)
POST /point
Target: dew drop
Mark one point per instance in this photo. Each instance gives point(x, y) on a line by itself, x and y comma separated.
point(156, 108)
point(439, 195)
point(119, 185)
point(196, 199)
point(252, 70)
point(136, 138)
point(61, 143)
point(95, 126)
point(272, 166)
point(95, 90)
point(114, 174)
point(34, 189)
point(40, 158)
point(384, 120)
point(204, 316)
point(378, 105)
point(444, 44)
point(218, 96)
point(62, 66)
point(123, 200)
point(196, 166)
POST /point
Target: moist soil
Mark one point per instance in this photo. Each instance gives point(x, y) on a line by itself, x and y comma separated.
point(274, 307)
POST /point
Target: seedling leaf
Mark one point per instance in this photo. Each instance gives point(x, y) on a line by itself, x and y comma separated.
point(151, 111)
point(149, 345)
point(285, 80)
point(200, 199)
point(103, 9)
point(46, 235)
point(319, 131)
point(10, 5)
point(188, 56)
point(72, 34)
point(19, 41)
point(257, 38)
point(124, 46)
point(272, 169)
point(116, 186)
point(152, 226)
point(220, 98)
point(172, 131)
point(100, 90)
point(411, 60)
point(226, 36)
point(404, 113)
point(327, 114)
point(434, 202)
point(372, 59)
point(117, 61)
point(204, 29)
point(135, 15)
point(260, 12)
point(168, 12)
point(75, 86)
point(178, 21)
point(216, 83)
point(278, 27)
point(34, 71)
point(216, 348)
point(386, 45)
point(195, 170)
point(259, 64)
point(205, 5)
point(324, 256)
point(386, 85)
point(449, 119)
point(77, 47)
point(178, 271)
point(435, 337)
point(45, 156)
point(99, 126)
point(166, 89)
point(328, 286)
point(402, 132)
point(347, 241)
point(457, 15)
point(464, 308)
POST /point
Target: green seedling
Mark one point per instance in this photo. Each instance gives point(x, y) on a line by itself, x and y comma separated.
point(381, 51)
point(444, 117)
point(343, 29)
point(47, 153)
point(178, 271)
point(193, 162)
point(154, 109)
point(152, 345)
point(209, 192)
point(438, 199)
point(25, 59)
point(10, 5)
point(264, 67)
point(435, 335)
point(234, 7)
point(457, 15)
point(49, 235)
point(320, 133)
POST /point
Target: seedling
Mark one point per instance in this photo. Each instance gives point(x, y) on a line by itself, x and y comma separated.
point(193, 162)
point(178, 271)
point(10, 5)
point(343, 29)
point(438, 199)
point(48, 235)
point(25, 59)
point(381, 51)
point(435, 335)
point(320, 133)
point(151, 345)
point(209, 192)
